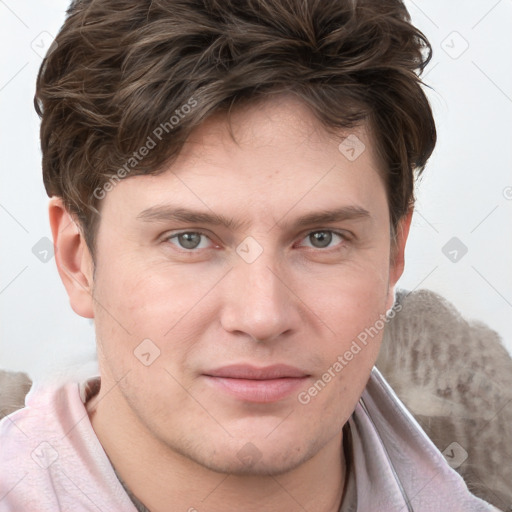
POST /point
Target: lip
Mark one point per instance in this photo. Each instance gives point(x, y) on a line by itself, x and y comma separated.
point(253, 384)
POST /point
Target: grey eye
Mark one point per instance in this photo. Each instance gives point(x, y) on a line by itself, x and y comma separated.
point(189, 240)
point(320, 239)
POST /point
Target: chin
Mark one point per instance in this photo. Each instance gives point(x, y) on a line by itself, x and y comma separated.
point(253, 459)
point(263, 467)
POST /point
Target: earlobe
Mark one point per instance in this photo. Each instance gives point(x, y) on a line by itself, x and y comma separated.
point(74, 261)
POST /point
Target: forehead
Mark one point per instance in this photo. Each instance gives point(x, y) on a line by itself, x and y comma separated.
point(271, 157)
point(281, 120)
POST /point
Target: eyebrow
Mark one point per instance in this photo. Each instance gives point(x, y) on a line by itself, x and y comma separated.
point(177, 214)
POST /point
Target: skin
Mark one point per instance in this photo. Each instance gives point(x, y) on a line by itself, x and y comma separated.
point(172, 436)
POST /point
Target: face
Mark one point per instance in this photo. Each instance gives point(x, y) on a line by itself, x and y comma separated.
point(224, 336)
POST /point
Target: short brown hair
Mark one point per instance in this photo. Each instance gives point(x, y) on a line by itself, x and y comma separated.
point(122, 71)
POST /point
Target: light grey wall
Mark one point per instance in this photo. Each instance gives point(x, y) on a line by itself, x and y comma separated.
point(466, 192)
point(465, 195)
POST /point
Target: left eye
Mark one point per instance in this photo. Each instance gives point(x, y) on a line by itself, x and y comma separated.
point(322, 239)
point(191, 240)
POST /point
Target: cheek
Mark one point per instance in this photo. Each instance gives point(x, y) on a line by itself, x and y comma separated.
point(146, 298)
point(138, 301)
point(354, 312)
point(350, 298)
point(353, 305)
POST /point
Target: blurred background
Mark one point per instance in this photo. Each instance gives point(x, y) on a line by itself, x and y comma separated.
point(460, 244)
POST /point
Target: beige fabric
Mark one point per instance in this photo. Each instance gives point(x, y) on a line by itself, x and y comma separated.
point(455, 377)
point(13, 388)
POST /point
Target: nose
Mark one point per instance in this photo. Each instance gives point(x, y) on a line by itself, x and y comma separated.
point(259, 300)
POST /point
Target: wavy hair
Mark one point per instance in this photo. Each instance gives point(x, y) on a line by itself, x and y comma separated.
point(121, 69)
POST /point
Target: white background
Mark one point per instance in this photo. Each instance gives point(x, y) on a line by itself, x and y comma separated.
point(466, 191)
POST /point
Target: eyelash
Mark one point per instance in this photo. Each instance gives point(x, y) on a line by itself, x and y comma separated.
point(345, 239)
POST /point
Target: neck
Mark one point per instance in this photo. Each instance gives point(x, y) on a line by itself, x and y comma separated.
point(157, 475)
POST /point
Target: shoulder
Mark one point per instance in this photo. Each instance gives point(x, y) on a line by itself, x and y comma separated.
point(28, 438)
point(51, 457)
point(49, 411)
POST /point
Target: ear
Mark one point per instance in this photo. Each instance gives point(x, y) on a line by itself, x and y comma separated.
point(74, 261)
point(397, 257)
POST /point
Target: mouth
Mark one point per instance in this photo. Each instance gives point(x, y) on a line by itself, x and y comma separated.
point(259, 385)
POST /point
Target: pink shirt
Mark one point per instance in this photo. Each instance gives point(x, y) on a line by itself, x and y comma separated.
point(51, 459)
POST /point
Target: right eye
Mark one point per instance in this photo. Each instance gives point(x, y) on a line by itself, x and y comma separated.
point(188, 241)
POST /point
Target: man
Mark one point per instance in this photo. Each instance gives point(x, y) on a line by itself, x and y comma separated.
point(231, 192)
